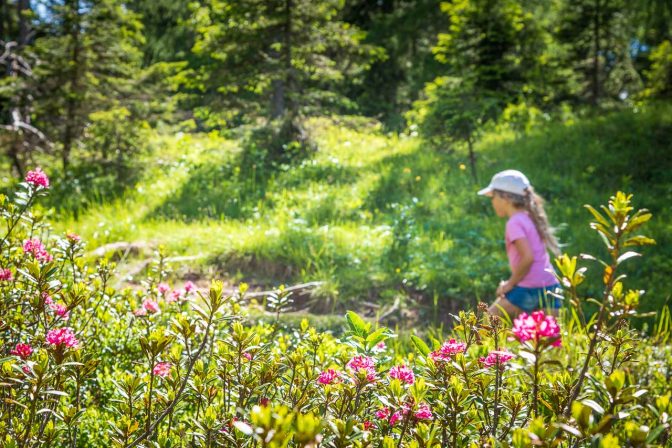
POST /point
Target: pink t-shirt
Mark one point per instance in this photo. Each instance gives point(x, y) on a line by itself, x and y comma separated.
point(520, 225)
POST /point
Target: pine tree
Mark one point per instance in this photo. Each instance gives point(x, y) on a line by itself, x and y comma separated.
point(278, 60)
point(89, 60)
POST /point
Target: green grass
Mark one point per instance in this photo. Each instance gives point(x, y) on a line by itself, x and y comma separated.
point(379, 216)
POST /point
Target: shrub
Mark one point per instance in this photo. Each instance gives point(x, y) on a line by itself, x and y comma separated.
point(86, 365)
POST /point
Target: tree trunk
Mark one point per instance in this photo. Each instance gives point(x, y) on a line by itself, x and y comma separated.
point(23, 6)
point(289, 75)
point(596, 54)
point(69, 134)
point(3, 17)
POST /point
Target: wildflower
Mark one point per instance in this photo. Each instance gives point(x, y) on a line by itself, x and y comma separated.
point(162, 369)
point(189, 287)
point(174, 296)
point(163, 288)
point(73, 238)
point(26, 369)
point(151, 306)
point(23, 351)
point(448, 350)
point(402, 373)
point(368, 425)
point(47, 298)
point(62, 337)
point(328, 377)
point(264, 401)
point(37, 178)
point(5, 275)
point(383, 413)
point(537, 326)
point(59, 309)
point(363, 364)
point(424, 412)
point(395, 418)
point(35, 247)
point(495, 357)
point(140, 312)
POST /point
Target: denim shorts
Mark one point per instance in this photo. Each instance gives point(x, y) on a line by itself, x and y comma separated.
point(530, 299)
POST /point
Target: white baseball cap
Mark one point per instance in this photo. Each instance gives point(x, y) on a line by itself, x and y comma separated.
point(511, 181)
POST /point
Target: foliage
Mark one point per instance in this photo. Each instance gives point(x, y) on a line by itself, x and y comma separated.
point(86, 364)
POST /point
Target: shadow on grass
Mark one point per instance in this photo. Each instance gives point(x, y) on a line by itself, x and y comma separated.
point(237, 188)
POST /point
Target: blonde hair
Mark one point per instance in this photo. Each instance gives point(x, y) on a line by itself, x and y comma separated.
point(532, 203)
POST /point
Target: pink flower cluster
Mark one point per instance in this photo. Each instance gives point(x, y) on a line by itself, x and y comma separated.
point(402, 373)
point(176, 294)
point(148, 306)
point(35, 247)
point(163, 288)
point(58, 308)
point(23, 351)
point(329, 376)
point(448, 350)
point(62, 337)
point(384, 414)
point(73, 238)
point(537, 326)
point(364, 364)
point(5, 275)
point(162, 369)
point(424, 412)
point(494, 357)
point(37, 178)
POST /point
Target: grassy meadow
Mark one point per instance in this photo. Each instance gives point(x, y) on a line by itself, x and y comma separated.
point(378, 217)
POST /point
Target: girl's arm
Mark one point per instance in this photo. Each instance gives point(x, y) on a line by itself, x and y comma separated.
point(520, 271)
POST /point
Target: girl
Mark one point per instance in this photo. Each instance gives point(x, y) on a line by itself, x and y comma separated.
point(528, 236)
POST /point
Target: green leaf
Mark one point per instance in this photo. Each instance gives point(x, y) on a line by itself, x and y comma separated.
point(420, 345)
point(357, 324)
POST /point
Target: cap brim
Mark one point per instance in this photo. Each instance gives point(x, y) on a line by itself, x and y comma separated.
point(486, 191)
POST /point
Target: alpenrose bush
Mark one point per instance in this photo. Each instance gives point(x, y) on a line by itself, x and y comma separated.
point(86, 365)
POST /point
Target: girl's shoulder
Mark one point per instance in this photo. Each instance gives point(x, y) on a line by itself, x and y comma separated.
point(521, 217)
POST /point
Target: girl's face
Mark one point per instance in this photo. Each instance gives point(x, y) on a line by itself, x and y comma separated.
point(500, 205)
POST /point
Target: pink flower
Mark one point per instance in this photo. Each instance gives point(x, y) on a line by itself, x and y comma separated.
point(247, 355)
point(368, 425)
point(496, 356)
point(328, 377)
point(35, 247)
point(23, 351)
point(151, 306)
point(73, 237)
point(264, 401)
point(535, 327)
point(395, 418)
point(424, 412)
point(26, 369)
point(189, 287)
point(37, 178)
point(62, 337)
point(402, 373)
point(162, 369)
point(163, 288)
point(47, 298)
point(5, 275)
point(448, 350)
point(140, 312)
point(383, 413)
point(59, 309)
point(363, 364)
point(174, 296)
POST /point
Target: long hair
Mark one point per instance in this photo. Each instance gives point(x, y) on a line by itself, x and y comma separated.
point(534, 205)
